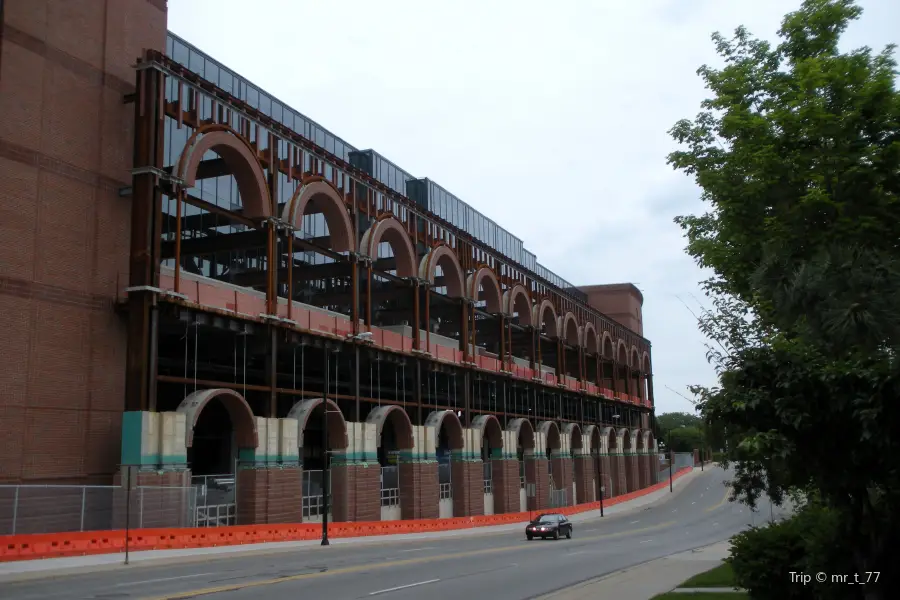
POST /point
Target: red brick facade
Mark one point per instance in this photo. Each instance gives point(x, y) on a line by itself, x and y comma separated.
point(419, 490)
point(506, 486)
point(468, 488)
point(536, 472)
point(621, 470)
point(585, 476)
point(353, 489)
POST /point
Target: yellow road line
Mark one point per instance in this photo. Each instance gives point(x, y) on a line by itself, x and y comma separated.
point(386, 565)
point(720, 504)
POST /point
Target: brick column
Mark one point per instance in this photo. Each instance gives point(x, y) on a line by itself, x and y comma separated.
point(562, 473)
point(467, 477)
point(620, 467)
point(610, 478)
point(645, 469)
point(585, 478)
point(537, 472)
point(419, 490)
point(506, 485)
point(356, 477)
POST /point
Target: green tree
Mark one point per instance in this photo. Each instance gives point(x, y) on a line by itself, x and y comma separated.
point(672, 420)
point(797, 154)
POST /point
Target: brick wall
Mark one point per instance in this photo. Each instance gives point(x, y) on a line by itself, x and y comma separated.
point(506, 486)
point(65, 150)
point(285, 501)
point(536, 472)
point(585, 478)
point(631, 472)
point(419, 491)
point(621, 479)
point(252, 496)
point(356, 492)
point(609, 476)
point(562, 476)
point(644, 467)
point(467, 482)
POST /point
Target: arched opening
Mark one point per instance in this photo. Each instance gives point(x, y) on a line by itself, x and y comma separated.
point(612, 461)
point(386, 243)
point(628, 443)
point(313, 258)
point(556, 472)
point(449, 440)
point(622, 369)
point(441, 268)
point(393, 435)
point(517, 305)
point(524, 433)
point(220, 204)
point(576, 451)
point(491, 449)
point(635, 374)
point(484, 289)
point(218, 425)
point(571, 344)
point(548, 334)
point(646, 374)
point(321, 431)
point(591, 344)
point(607, 363)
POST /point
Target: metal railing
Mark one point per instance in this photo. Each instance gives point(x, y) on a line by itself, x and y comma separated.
point(390, 486)
point(488, 478)
point(216, 500)
point(313, 498)
point(446, 492)
point(28, 509)
point(558, 498)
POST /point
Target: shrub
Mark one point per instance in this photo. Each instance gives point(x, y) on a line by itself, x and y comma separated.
point(763, 558)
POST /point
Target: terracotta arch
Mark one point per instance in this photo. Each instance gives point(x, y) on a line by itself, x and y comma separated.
point(625, 438)
point(240, 158)
point(645, 363)
point(574, 432)
point(635, 359)
point(240, 413)
point(488, 426)
point(517, 300)
point(645, 440)
point(570, 330)
point(379, 416)
point(443, 256)
point(540, 318)
point(589, 338)
point(607, 346)
point(492, 294)
point(438, 418)
point(551, 432)
point(651, 442)
point(593, 435)
point(388, 229)
point(334, 420)
point(522, 427)
point(622, 353)
point(325, 196)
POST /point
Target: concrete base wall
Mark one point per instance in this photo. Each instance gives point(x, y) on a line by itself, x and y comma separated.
point(419, 490)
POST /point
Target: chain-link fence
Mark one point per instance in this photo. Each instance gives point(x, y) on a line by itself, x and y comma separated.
point(59, 508)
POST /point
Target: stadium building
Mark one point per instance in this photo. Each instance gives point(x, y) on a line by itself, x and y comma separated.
point(199, 281)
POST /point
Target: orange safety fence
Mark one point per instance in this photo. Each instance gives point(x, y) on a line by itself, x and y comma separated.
point(55, 545)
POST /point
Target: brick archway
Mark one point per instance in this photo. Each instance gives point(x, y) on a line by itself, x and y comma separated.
point(635, 358)
point(551, 432)
point(517, 301)
point(645, 363)
point(524, 431)
point(570, 330)
point(606, 346)
point(541, 318)
point(240, 413)
point(334, 421)
point(402, 425)
point(622, 353)
point(324, 196)
point(240, 158)
point(573, 430)
point(388, 229)
point(492, 292)
point(438, 419)
point(590, 341)
point(488, 426)
point(443, 256)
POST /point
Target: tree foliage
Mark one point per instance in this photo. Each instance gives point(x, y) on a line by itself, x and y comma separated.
point(797, 154)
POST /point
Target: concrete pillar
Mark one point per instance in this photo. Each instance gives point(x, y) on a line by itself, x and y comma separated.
point(585, 472)
point(467, 476)
point(537, 472)
point(631, 462)
point(356, 476)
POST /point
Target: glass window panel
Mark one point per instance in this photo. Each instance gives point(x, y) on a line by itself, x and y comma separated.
point(329, 143)
point(181, 54)
point(226, 81)
point(197, 63)
point(319, 135)
point(277, 110)
point(252, 96)
point(265, 104)
point(212, 71)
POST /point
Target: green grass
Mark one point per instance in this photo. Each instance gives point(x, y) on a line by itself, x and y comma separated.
point(703, 596)
point(721, 576)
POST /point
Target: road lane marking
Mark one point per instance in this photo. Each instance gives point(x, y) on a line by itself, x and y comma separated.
point(646, 541)
point(388, 564)
point(633, 522)
point(721, 503)
point(403, 587)
point(130, 583)
point(418, 549)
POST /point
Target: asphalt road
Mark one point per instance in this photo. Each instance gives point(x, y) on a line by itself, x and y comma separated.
point(499, 565)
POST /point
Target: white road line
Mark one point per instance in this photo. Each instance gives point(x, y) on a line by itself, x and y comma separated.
point(693, 503)
point(633, 522)
point(646, 541)
point(163, 579)
point(417, 549)
point(403, 587)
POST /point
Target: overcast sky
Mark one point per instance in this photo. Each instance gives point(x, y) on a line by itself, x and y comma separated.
point(550, 119)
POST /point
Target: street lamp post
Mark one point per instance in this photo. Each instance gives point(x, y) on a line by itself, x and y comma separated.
point(671, 455)
point(600, 475)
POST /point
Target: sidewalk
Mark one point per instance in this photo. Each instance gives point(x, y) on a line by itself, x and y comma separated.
point(649, 579)
point(29, 569)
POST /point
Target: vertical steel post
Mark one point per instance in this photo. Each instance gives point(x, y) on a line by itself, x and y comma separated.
point(83, 492)
point(15, 510)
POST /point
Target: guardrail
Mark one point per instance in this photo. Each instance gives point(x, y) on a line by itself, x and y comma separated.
point(54, 545)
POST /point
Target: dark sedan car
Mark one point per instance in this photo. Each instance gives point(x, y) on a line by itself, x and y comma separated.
point(549, 525)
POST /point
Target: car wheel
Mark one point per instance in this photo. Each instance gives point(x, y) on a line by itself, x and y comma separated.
point(569, 534)
point(529, 536)
point(556, 534)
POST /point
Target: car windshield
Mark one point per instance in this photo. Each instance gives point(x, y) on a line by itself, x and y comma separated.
point(546, 520)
